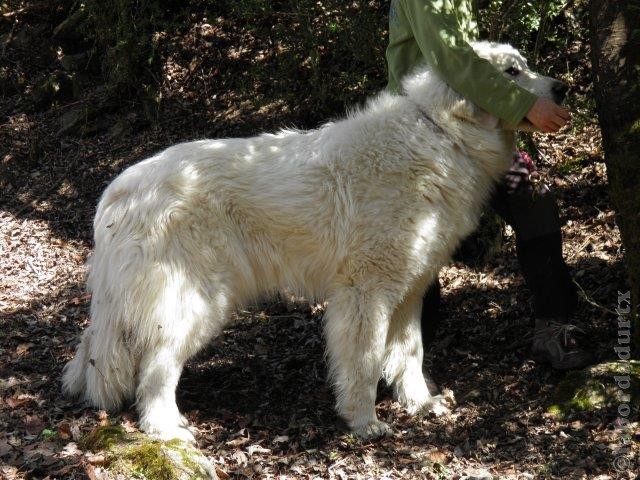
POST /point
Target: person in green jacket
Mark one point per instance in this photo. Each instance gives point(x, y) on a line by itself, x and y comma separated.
point(438, 32)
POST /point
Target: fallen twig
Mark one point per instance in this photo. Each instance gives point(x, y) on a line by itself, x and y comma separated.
point(592, 302)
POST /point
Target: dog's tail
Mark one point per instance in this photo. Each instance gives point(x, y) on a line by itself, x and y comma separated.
point(103, 369)
point(101, 373)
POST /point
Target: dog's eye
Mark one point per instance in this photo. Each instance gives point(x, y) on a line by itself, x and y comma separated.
point(513, 71)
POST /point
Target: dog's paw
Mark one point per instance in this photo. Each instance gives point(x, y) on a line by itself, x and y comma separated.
point(440, 405)
point(413, 407)
point(372, 430)
point(437, 407)
point(169, 431)
point(415, 400)
point(184, 433)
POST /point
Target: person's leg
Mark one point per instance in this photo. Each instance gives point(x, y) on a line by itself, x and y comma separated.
point(535, 221)
point(534, 218)
point(539, 248)
point(547, 275)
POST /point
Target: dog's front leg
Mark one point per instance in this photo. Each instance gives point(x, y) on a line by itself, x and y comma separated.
point(403, 360)
point(356, 323)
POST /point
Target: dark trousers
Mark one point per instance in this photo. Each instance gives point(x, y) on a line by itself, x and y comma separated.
point(534, 219)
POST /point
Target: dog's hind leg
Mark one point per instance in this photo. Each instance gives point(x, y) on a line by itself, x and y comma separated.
point(403, 359)
point(160, 371)
point(356, 322)
point(182, 330)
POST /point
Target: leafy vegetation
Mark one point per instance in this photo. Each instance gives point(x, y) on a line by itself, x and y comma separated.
point(337, 47)
point(525, 23)
point(596, 388)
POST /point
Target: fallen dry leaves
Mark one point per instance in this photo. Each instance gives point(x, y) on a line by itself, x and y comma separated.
point(258, 395)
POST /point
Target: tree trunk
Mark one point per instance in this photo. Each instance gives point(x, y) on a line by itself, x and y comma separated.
point(615, 41)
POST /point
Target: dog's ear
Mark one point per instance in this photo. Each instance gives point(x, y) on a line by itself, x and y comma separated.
point(469, 111)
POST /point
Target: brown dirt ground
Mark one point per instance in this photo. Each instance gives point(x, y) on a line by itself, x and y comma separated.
point(258, 394)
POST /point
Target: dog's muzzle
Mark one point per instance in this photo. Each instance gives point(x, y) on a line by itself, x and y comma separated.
point(559, 91)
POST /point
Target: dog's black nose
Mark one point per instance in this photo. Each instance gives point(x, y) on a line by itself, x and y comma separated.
point(559, 90)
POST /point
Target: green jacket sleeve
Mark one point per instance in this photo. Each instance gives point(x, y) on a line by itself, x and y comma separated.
point(437, 33)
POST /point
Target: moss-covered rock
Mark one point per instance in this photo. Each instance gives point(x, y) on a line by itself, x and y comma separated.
point(607, 385)
point(103, 438)
point(135, 455)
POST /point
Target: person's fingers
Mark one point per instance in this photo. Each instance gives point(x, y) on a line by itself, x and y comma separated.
point(562, 121)
point(555, 126)
point(557, 123)
point(548, 116)
point(546, 125)
point(542, 124)
point(558, 120)
point(562, 113)
point(543, 127)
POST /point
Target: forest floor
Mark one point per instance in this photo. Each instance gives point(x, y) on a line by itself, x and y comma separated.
point(258, 395)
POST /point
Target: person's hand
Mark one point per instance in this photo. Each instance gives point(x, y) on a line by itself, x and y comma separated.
point(548, 116)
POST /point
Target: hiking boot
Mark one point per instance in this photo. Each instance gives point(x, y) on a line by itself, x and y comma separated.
point(559, 344)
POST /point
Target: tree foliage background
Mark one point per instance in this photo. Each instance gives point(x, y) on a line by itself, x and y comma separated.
point(335, 47)
point(287, 49)
point(306, 60)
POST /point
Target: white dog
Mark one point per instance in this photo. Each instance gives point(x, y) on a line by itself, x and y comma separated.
point(361, 213)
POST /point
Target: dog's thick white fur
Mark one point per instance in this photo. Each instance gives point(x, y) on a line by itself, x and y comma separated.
point(361, 213)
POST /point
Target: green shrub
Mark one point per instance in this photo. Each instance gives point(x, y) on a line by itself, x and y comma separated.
point(524, 23)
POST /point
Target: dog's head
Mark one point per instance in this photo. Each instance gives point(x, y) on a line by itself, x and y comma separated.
point(427, 90)
point(514, 66)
